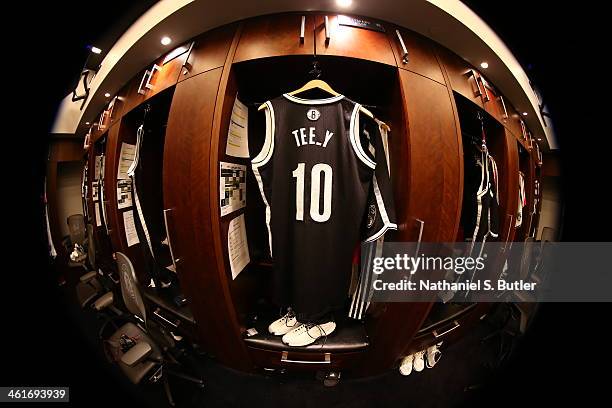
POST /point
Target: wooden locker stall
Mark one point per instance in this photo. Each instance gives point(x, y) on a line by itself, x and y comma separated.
point(421, 90)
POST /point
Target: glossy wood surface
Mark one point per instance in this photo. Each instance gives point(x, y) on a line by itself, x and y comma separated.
point(421, 56)
point(276, 35)
point(348, 41)
point(209, 51)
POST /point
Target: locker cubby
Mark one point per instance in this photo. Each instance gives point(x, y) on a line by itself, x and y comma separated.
point(256, 81)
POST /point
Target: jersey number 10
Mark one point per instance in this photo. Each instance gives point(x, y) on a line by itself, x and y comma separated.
point(315, 192)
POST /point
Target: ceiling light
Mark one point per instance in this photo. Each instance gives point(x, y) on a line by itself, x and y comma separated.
point(344, 3)
point(539, 139)
point(166, 40)
point(107, 95)
point(95, 50)
point(524, 113)
point(87, 123)
point(484, 65)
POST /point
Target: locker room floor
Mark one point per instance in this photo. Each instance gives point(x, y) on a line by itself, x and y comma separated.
point(458, 378)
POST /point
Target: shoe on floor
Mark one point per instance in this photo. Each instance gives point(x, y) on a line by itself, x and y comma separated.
point(405, 367)
point(433, 355)
point(284, 324)
point(419, 361)
point(308, 333)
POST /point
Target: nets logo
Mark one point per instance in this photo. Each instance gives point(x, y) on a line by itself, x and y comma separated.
point(313, 114)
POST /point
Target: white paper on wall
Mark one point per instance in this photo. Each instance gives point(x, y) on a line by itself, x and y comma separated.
point(237, 134)
point(98, 218)
point(237, 245)
point(232, 187)
point(124, 193)
point(97, 164)
point(126, 157)
point(94, 191)
point(130, 228)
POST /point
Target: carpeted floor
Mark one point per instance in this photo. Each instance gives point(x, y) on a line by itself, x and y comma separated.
point(464, 369)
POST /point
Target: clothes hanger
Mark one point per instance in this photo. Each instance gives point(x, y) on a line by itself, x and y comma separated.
point(320, 85)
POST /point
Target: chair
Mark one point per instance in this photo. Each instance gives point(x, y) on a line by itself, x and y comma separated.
point(89, 286)
point(142, 348)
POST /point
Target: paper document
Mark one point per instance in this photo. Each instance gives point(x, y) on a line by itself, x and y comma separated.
point(237, 134)
point(94, 191)
point(126, 157)
point(97, 164)
point(237, 245)
point(124, 193)
point(98, 218)
point(130, 228)
point(232, 187)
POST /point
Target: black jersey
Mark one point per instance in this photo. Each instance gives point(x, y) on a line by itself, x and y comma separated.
point(316, 177)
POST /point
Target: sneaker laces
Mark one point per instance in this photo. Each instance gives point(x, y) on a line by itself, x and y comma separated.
point(322, 332)
point(288, 316)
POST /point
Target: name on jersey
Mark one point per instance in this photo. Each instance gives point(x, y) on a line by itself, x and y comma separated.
point(307, 136)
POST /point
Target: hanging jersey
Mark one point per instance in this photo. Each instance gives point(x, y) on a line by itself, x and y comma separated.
point(315, 179)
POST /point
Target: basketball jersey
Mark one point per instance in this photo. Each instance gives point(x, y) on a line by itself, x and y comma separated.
point(323, 192)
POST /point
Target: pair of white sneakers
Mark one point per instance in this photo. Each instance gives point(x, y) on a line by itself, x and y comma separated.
point(298, 334)
point(417, 361)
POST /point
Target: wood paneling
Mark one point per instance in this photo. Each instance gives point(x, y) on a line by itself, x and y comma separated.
point(421, 57)
point(234, 351)
point(187, 139)
point(161, 79)
point(209, 51)
point(66, 150)
point(504, 150)
point(273, 36)
point(347, 41)
point(428, 172)
point(435, 157)
point(460, 75)
point(192, 154)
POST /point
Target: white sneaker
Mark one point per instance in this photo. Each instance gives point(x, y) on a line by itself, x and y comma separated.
point(433, 355)
point(419, 362)
point(284, 324)
point(405, 367)
point(308, 333)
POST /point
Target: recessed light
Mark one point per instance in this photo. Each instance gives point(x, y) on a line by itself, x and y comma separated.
point(107, 95)
point(166, 40)
point(484, 65)
point(344, 3)
point(95, 50)
point(524, 113)
point(539, 139)
point(87, 123)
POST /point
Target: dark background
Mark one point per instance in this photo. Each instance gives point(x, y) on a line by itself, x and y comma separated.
point(563, 49)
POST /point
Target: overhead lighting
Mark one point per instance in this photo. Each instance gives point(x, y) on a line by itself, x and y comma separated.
point(87, 123)
point(524, 113)
point(539, 139)
point(166, 40)
point(95, 50)
point(344, 3)
point(107, 95)
point(484, 65)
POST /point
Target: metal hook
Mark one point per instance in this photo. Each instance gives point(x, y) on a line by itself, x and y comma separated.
point(315, 71)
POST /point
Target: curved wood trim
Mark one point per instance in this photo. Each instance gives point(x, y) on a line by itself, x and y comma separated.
point(238, 357)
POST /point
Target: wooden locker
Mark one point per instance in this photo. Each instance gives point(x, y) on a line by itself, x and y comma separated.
point(416, 54)
point(209, 51)
point(276, 35)
point(333, 38)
